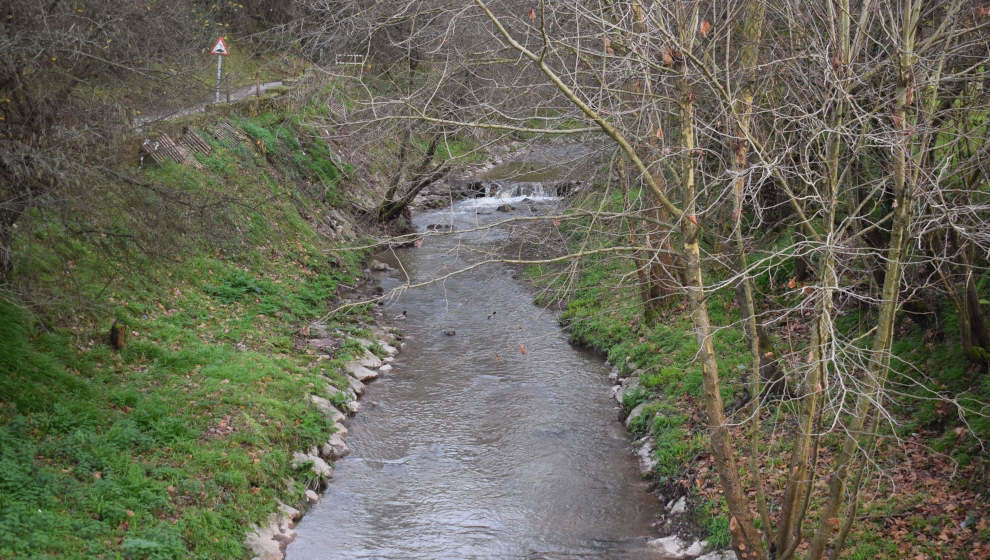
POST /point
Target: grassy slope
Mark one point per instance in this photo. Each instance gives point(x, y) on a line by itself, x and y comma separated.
point(173, 446)
point(904, 511)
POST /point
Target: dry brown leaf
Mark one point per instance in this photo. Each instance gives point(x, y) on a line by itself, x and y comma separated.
point(668, 56)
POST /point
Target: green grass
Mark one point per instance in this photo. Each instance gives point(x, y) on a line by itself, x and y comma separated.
point(174, 446)
point(713, 516)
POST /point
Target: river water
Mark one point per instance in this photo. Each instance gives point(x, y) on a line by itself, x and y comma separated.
point(498, 441)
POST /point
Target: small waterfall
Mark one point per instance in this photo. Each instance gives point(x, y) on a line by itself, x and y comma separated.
point(498, 189)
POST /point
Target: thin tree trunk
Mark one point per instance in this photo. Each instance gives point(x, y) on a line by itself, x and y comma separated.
point(747, 541)
point(640, 264)
point(884, 335)
point(752, 29)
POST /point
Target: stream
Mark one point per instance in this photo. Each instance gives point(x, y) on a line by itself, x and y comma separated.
point(492, 437)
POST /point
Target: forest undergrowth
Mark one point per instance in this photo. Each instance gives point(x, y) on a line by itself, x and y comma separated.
point(925, 494)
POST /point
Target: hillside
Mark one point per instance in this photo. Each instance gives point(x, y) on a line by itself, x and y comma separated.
point(173, 444)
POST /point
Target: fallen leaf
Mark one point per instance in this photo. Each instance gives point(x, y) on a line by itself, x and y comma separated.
point(705, 28)
point(668, 56)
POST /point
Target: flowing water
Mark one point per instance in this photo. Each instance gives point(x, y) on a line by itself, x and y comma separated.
point(499, 441)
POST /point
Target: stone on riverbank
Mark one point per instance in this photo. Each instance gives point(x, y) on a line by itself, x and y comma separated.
point(335, 448)
point(628, 385)
point(378, 266)
point(328, 409)
point(637, 412)
point(319, 466)
point(293, 513)
point(359, 372)
point(370, 360)
point(719, 555)
point(676, 548)
point(645, 453)
point(269, 542)
point(355, 386)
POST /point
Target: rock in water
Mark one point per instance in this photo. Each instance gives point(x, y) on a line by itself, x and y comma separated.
point(676, 548)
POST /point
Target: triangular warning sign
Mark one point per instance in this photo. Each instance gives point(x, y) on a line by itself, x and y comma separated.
point(220, 47)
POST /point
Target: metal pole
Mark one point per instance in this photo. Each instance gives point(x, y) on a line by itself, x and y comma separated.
point(219, 66)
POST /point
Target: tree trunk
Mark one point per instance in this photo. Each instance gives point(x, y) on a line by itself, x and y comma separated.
point(746, 539)
point(393, 205)
point(876, 375)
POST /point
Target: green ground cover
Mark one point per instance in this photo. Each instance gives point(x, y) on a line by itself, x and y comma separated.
point(902, 512)
point(174, 445)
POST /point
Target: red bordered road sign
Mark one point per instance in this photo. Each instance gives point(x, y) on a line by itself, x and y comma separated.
point(220, 48)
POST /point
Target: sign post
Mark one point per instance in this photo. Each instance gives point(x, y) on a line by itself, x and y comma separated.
point(219, 49)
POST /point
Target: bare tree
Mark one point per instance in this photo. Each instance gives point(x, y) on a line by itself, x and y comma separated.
point(853, 124)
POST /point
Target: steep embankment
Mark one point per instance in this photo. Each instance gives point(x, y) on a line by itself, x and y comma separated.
point(926, 497)
point(174, 443)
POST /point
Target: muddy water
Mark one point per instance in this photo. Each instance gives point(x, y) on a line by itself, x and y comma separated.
point(500, 441)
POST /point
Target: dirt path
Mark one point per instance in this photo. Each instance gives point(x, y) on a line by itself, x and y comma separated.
point(240, 93)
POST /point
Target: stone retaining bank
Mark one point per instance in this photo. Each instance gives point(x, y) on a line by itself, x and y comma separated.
point(269, 542)
point(673, 547)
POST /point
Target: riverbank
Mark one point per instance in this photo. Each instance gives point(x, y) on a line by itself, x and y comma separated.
point(929, 498)
point(362, 361)
point(170, 437)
